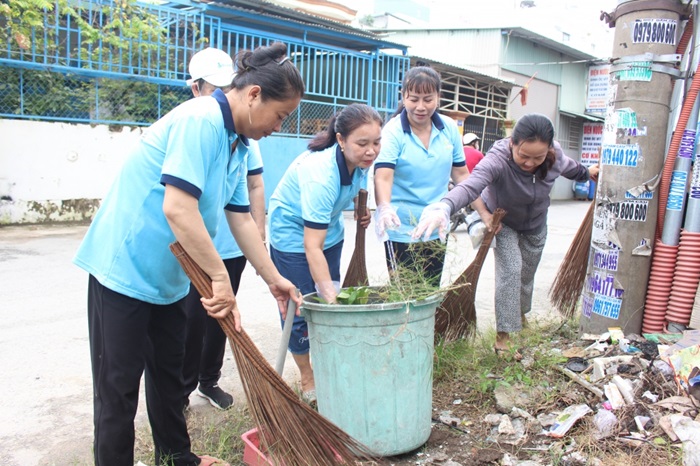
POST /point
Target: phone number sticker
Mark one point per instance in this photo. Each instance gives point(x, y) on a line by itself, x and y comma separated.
point(621, 155)
point(605, 259)
point(606, 307)
point(655, 31)
point(635, 211)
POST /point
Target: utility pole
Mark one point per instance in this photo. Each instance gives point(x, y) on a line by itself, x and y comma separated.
point(634, 146)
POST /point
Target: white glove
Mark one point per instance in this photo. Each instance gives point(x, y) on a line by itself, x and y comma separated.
point(328, 290)
point(435, 215)
point(385, 218)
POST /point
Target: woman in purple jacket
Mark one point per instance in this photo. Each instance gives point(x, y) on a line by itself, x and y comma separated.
point(517, 175)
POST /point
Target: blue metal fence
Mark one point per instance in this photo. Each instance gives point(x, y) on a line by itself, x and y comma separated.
point(128, 75)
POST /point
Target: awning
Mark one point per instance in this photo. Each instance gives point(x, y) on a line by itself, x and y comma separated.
point(585, 116)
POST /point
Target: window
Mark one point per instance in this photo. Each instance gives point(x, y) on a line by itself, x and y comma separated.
point(570, 133)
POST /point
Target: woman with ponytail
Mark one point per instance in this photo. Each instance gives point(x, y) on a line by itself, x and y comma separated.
point(187, 170)
point(306, 213)
point(517, 175)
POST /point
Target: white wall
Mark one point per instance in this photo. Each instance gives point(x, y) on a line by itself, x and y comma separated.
point(58, 171)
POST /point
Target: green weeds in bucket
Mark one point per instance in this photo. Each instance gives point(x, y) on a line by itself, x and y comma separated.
point(353, 295)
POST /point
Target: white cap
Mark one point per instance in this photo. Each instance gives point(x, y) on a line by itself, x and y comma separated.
point(469, 138)
point(212, 65)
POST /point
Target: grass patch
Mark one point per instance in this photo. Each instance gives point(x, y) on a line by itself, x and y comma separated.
point(212, 432)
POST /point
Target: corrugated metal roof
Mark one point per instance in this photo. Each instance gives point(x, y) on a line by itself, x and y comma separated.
point(508, 83)
point(518, 31)
point(472, 50)
point(552, 44)
point(261, 13)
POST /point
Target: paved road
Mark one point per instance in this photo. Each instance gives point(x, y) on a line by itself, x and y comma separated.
point(46, 407)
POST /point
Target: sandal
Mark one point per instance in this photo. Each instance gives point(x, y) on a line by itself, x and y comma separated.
point(211, 461)
point(506, 353)
point(309, 396)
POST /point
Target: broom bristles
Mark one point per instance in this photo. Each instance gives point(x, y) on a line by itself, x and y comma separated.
point(568, 283)
point(356, 274)
point(456, 316)
point(290, 431)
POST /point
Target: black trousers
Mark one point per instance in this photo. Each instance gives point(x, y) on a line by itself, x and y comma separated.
point(426, 258)
point(126, 337)
point(205, 341)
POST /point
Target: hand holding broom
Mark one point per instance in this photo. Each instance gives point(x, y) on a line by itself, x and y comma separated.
point(288, 427)
point(456, 316)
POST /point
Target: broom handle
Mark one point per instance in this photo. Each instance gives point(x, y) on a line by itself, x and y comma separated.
point(488, 237)
point(286, 333)
point(361, 209)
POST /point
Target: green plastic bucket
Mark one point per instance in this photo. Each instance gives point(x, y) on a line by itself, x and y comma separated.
point(373, 367)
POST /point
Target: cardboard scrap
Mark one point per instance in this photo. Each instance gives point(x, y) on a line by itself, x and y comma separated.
point(676, 403)
point(574, 352)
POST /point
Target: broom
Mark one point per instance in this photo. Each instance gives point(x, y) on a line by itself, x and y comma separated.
point(290, 430)
point(456, 317)
point(568, 284)
point(357, 270)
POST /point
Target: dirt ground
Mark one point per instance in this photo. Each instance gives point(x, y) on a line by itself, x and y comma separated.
point(46, 412)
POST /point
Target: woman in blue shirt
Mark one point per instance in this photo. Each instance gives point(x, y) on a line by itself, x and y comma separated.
point(421, 150)
point(306, 213)
point(188, 168)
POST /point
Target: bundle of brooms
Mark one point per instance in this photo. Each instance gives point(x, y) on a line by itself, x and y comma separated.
point(455, 318)
point(568, 283)
point(356, 274)
point(290, 431)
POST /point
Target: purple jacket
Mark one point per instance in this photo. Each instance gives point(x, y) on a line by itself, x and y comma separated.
point(524, 196)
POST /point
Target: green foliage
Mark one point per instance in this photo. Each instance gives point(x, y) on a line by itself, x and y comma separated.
point(354, 295)
point(412, 282)
point(475, 360)
point(119, 26)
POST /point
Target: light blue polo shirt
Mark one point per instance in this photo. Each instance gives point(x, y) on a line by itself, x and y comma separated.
point(420, 175)
point(223, 241)
point(126, 246)
point(313, 193)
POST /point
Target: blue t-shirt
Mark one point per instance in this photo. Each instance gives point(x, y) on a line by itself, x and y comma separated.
point(420, 175)
point(313, 193)
point(126, 247)
point(223, 241)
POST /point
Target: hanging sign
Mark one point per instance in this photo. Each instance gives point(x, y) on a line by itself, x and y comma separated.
point(598, 87)
point(592, 140)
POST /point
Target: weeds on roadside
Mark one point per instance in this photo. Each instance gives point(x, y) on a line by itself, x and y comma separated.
point(212, 432)
point(469, 369)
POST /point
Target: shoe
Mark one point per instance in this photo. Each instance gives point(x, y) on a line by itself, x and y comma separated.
point(216, 396)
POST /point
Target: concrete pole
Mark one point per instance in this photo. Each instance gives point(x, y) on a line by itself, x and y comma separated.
point(634, 146)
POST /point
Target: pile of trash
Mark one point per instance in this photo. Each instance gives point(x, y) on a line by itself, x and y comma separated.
point(640, 389)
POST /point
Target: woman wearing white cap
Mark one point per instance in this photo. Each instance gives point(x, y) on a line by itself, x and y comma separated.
point(175, 185)
point(205, 343)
